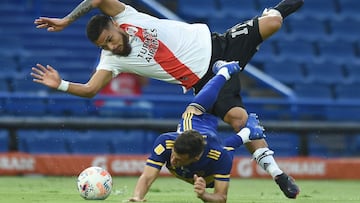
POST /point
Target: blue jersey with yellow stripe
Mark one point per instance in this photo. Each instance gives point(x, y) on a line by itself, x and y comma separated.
point(215, 163)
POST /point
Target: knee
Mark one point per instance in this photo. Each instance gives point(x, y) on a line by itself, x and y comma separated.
point(236, 118)
point(274, 23)
point(269, 24)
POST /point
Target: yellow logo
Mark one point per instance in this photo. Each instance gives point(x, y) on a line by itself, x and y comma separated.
point(159, 149)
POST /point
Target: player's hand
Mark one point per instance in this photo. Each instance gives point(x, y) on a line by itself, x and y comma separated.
point(136, 199)
point(52, 24)
point(46, 75)
point(199, 186)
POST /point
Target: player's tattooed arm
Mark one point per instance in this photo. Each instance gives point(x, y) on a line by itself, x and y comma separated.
point(82, 9)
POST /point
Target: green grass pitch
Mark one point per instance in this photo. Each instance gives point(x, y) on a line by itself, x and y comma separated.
point(63, 190)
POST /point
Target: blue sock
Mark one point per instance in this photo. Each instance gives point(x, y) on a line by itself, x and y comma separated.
point(208, 94)
point(233, 141)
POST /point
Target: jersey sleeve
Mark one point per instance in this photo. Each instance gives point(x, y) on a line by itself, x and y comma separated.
point(161, 151)
point(107, 62)
point(223, 167)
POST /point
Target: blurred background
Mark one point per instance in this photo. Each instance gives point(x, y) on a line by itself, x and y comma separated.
point(303, 83)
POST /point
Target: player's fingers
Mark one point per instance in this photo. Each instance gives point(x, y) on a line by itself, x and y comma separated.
point(50, 68)
point(45, 25)
point(41, 67)
point(36, 76)
point(38, 81)
point(37, 71)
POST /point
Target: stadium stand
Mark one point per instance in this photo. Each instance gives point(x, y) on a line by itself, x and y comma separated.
point(324, 72)
point(288, 72)
point(4, 141)
point(349, 8)
point(196, 11)
point(88, 144)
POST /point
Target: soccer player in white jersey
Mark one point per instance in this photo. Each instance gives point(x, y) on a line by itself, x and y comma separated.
point(175, 52)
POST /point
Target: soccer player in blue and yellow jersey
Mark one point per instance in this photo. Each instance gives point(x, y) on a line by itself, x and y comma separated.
point(194, 153)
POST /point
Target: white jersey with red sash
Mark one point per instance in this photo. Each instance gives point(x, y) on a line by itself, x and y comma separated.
point(167, 50)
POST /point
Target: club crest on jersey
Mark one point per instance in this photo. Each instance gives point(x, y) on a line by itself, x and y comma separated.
point(131, 30)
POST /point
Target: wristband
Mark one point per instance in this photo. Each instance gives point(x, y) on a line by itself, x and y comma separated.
point(64, 85)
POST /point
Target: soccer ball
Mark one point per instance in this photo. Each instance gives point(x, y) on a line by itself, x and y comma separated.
point(94, 183)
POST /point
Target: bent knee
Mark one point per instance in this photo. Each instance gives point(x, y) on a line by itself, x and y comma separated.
point(268, 25)
point(236, 118)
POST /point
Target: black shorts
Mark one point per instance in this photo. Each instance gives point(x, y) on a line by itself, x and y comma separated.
point(239, 43)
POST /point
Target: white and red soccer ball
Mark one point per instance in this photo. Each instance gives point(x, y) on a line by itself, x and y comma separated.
point(94, 183)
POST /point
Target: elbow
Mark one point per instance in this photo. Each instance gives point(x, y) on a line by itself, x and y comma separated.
point(90, 92)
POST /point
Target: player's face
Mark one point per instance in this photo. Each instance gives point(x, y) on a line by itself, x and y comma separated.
point(115, 40)
point(178, 160)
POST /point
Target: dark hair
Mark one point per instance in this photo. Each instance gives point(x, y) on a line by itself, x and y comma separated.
point(190, 142)
point(96, 25)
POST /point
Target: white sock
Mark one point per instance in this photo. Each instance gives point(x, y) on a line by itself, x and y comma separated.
point(224, 72)
point(244, 134)
point(266, 161)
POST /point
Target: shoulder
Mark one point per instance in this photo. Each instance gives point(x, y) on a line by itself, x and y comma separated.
point(166, 139)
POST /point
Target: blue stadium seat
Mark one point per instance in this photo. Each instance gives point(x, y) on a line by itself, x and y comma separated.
point(193, 11)
point(284, 144)
point(8, 67)
point(238, 8)
point(11, 46)
point(262, 4)
point(307, 29)
point(349, 8)
point(4, 85)
point(121, 108)
point(130, 142)
point(221, 24)
point(347, 91)
point(4, 141)
point(161, 87)
point(73, 106)
point(355, 145)
point(327, 72)
point(88, 144)
point(345, 29)
point(267, 52)
point(35, 106)
point(26, 84)
point(353, 72)
point(287, 71)
point(327, 145)
point(348, 111)
point(313, 91)
point(298, 50)
point(320, 9)
point(337, 51)
point(22, 135)
point(46, 144)
point(314, 96)
point(29, 61)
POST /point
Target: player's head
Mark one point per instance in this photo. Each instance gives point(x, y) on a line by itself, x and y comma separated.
point(104, 33)
point(188, 148)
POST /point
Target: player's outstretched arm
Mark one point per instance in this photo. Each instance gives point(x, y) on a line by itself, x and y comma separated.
point(144, 183)
point(48, 76)
point(108, 7)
